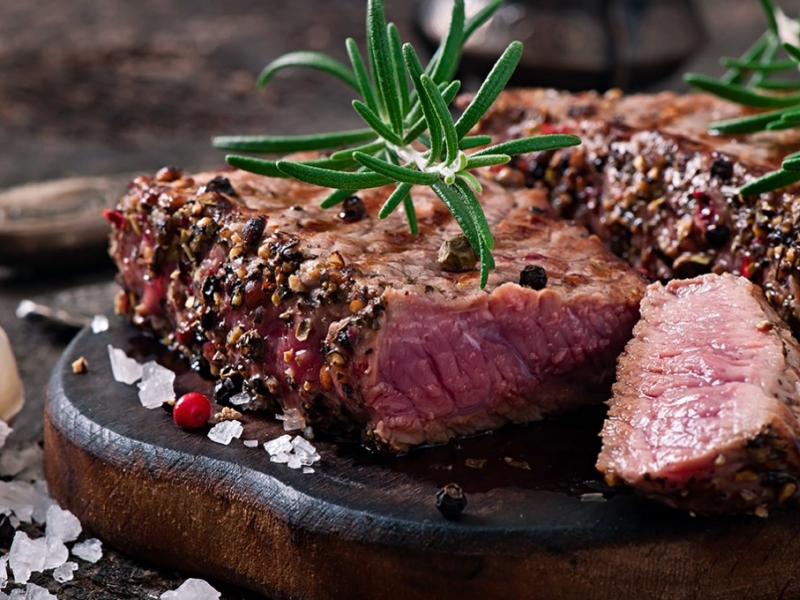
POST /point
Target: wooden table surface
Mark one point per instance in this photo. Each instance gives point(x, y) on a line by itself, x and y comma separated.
point(90, 87)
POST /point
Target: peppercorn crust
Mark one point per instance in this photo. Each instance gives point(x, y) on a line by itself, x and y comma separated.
point(349, 323)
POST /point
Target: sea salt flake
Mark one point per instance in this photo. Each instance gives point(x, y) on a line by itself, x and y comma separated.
point(124, 369)
point(308, 470)
point(279, 445)
point(26, 556)
point(224, 431)
point(64, 573)
point(57, 553)
point(240, 398)
point(27, 501)
point(251, 443)
point(294, 462)
point(99, 324)
point(280, 458)
point(293, 420)
point(192, 589)
point(156, 386)
point(89, 550)
point(62, 524)
point(36, 592)
point(23, 462)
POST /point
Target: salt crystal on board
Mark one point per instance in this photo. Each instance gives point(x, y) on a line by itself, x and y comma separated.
point(62, 524)
point(26, 556)
point(293, 420)
point(22, 462)
point(251, 443)
point(279, 445)
point(99, 324)
point(36, 592)
point(57, 553)
point(240, 398)
point(124, 369)
point(27, 501)
point(89, 550)
point(156, 386)
point(308, 470)
point(65, 572)
point(294, 462)
point(192, 589)
point(224, 431)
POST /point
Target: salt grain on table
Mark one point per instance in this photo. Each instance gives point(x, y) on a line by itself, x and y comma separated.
point(89, 550)
point(240, 398)
point(192, 589)
point(124, 369)
point(24, 462)
point(27, 501)
point(156, 386)
point(99, 324)
point(65, 572)
point(224, 431)
point(26, 556)
point(62, 524)
point(250, 443)
point(32, 592)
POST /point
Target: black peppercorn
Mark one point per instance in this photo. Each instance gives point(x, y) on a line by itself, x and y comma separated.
point(534, 277)
point(722, 168)
point(718, 235)
point(220, 184)
point(253, 230)
point(227, 387)
point(451, 501)
point(353, 210)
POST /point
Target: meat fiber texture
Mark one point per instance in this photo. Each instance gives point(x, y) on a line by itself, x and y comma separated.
point(350, 324)
point(658, 188)
point(704, 412)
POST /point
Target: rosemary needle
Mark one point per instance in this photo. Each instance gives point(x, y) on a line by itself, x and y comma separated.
point(749, 81)
point(411, 137)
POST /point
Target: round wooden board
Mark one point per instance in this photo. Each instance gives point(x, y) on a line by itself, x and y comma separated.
point(539, 523)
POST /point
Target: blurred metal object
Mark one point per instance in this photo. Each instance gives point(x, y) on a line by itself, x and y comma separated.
point(578, 44)
point(57, 223)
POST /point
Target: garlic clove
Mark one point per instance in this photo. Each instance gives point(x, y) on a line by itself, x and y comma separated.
point(12, 394)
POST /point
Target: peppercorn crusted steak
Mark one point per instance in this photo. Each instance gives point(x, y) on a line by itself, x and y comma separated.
point(660, 190)
point(349, 323)
point(704, 412)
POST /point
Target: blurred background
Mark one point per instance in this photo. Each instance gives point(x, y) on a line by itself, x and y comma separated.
point(109, 86)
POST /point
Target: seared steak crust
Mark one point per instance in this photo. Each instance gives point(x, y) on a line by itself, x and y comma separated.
point(349, 323)
point(658, 188)
point(704, 412)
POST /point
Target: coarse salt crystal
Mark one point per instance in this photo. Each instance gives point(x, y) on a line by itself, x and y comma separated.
point(251, 443)
point(293, 420)
point(89, 550)
point(156, 386)
point(62, 524)
point(57, 553)
point(240, 398)
point(294, 462)
point(5, 431)
point(99, 324)
point(224, 431)
point(124, 369)
point(280, 458)
point(3, 572)
point(36, 592)
point(278, 445)
point(26, 556)
point(192, 589)
point(308, 470)
point(27, 501)
point(23, 462)
point(64, 573)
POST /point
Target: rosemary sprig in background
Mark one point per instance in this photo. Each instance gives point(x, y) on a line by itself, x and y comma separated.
point(750, 81)
point(411, 136)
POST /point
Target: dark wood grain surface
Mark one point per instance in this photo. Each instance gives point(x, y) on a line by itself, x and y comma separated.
point(91, 87)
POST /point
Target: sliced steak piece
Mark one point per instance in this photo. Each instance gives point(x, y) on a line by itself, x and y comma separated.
point(349, 323)
point(658, 188)
point(704, 412)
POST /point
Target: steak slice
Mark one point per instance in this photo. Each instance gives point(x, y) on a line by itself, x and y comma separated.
point(348, 323)
point(704, 412)
point(658, 188)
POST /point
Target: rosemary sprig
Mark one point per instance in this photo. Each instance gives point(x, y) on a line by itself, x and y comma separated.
point(749, 81)
point(411, 137)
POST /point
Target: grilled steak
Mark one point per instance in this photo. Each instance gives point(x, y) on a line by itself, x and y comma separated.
point(704, 412)
point(658, 188)
point(349, 323)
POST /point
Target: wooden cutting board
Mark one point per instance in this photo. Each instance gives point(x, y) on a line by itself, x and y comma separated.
point(539, 522)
